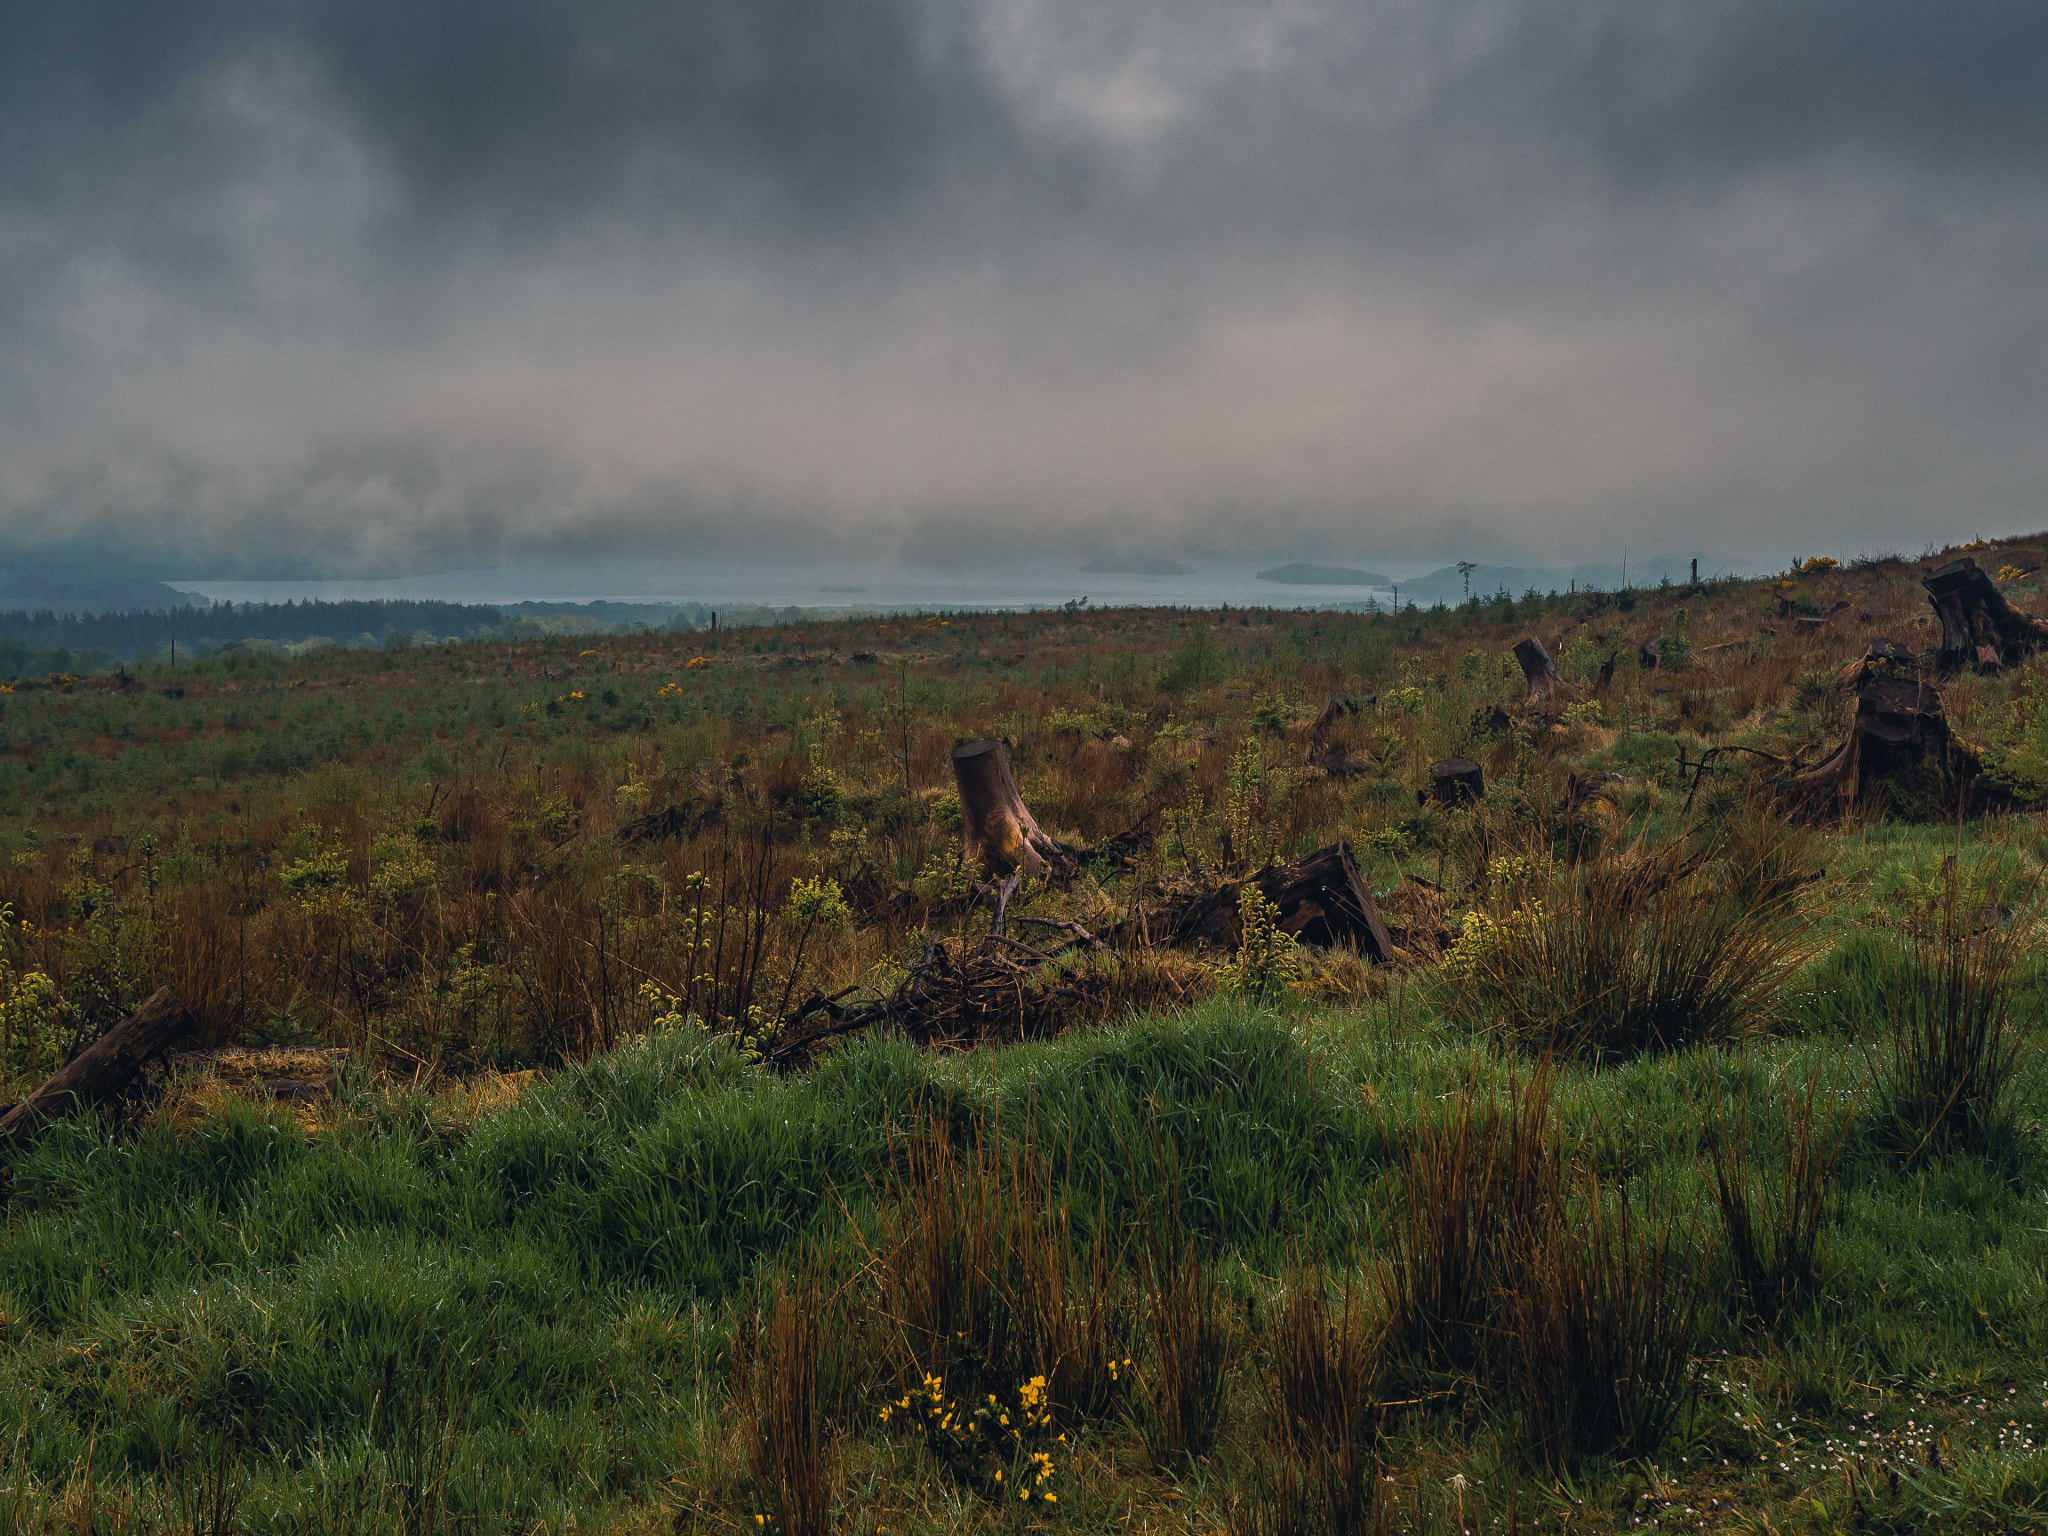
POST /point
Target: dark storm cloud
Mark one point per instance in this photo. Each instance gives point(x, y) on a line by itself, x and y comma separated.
point(379, 283)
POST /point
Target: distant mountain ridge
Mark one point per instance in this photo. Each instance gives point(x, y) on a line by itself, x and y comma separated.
point(79, 590)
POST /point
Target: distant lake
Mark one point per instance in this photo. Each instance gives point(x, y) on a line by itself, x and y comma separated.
point(743, 584)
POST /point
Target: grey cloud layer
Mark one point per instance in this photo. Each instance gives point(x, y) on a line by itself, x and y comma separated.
point(381, 283)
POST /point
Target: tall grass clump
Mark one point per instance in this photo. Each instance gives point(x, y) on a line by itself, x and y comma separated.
point(1601, 1331)
point(1609, 959)
point(1329, 1408)
point(775, 1382)
point(1950, 1047)
point(983, 1283)
point(1188, 1330)
point(1771, 1222)
point(1514, 1276)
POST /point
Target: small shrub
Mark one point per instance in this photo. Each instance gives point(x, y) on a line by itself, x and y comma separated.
point(1196, 662)
point(1266, 961)
point(309, 879)
point(401, 870)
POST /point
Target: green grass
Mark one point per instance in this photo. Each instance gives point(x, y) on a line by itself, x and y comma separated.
point(545, 1293)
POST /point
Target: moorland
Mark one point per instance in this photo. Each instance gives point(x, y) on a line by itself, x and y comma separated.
point(610, 1104)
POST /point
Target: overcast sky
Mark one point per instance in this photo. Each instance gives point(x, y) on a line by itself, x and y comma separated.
point(395, 284)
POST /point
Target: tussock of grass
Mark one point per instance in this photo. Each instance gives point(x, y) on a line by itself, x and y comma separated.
point(1608, 959)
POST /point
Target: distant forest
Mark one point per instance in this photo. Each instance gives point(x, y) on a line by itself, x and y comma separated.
point(42, 641)
point(127, 634)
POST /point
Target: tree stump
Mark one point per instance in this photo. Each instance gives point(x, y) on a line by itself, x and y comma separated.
point(1545, 686)
point(1651, 655)
point(1456, 781)
point(1978, 627)
point(103, 1069)
point(1898, 745)
point(997, 832)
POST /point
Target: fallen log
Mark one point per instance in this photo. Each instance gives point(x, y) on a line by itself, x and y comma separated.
point(1545, 685)
point(104, 1069)
point(1978, 627)
point(1322, 900)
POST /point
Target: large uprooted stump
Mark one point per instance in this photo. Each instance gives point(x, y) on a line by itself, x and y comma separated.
point(1322, 900)
point(1978, 627)
point(1546, 687)
point(103, 1070)
point(1899, 746)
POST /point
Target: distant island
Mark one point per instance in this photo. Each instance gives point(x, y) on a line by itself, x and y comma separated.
point(1136, 565)
point(1303, 574)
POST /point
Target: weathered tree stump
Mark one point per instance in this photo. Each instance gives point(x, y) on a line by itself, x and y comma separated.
point(1899, 745)
point(1978, 627)
point(1651, 655)
point(1545, 685)
point(1456, 781)
point(101, 1071)
point(997, 832)
point(1322, 900)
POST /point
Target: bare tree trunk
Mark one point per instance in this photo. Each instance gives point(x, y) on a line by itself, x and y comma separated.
point(1545, 686)
point(103, 1069)
point(997, 832)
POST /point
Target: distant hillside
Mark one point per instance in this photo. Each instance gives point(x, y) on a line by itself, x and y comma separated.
point(1304, 574)
point(79, 590)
